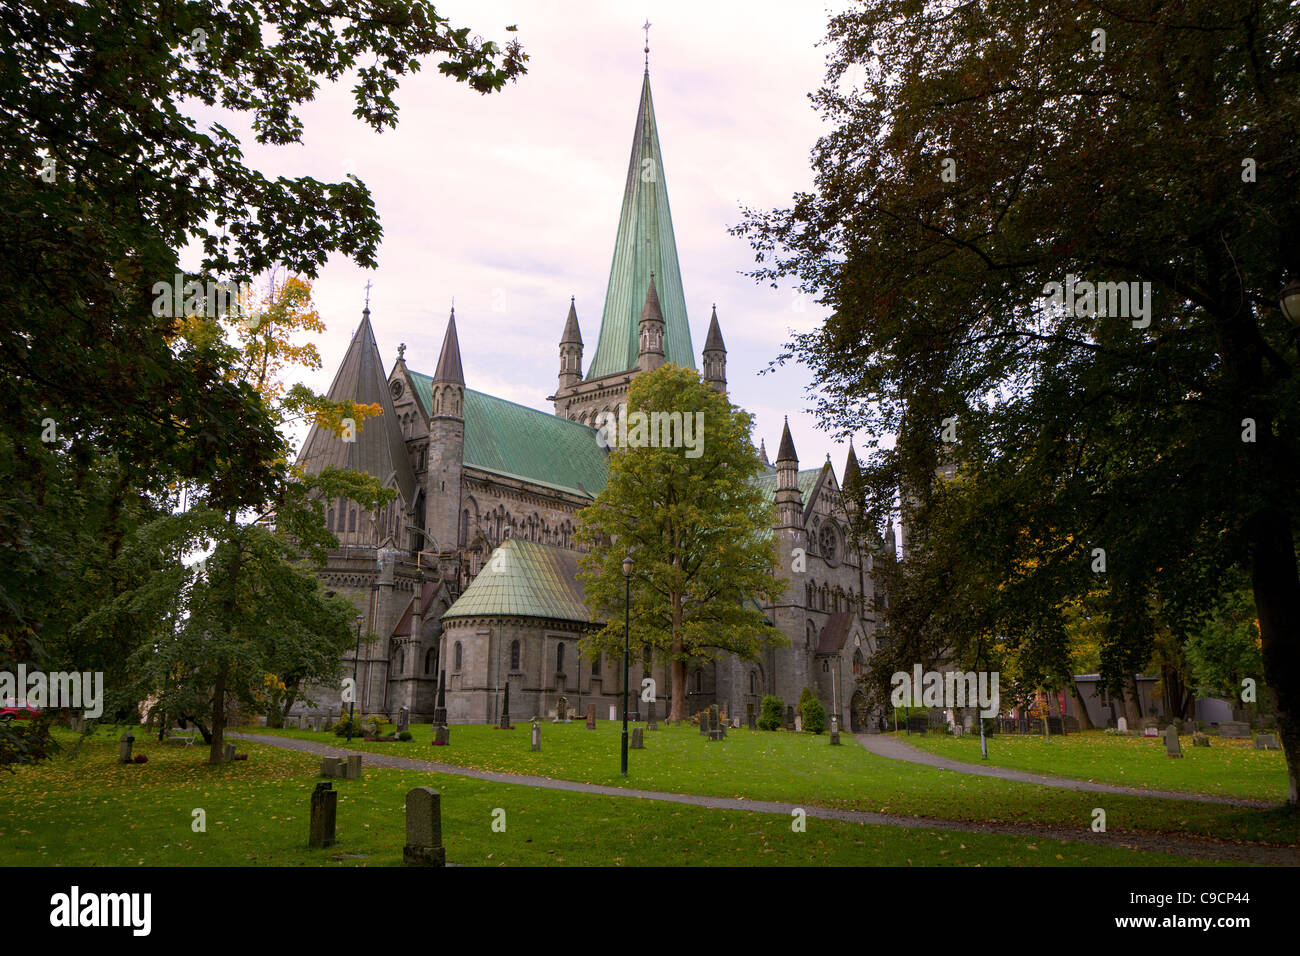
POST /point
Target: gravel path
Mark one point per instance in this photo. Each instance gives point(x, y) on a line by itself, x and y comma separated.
point(886, 746)
point(1199, 847)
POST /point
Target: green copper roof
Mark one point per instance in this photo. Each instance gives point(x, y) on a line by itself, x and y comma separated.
point(524, 579)
point(806, 479)
point(520, 442)
point(644, 244)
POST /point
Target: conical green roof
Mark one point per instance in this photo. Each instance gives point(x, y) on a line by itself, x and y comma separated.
point(525, 579)
point(644, 244)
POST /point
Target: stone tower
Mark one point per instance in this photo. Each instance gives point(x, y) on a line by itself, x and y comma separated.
point(446, 447)
point(651, 332)
point(715, 356)
point(570, 350)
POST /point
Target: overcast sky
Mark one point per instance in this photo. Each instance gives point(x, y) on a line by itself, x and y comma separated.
point(509, 202)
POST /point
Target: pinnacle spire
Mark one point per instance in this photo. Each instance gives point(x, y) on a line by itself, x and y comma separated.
point(762, 452)
point(572, 334)
point(651, 308)
point(449, 368)
point(713, 340)
point(786, 451)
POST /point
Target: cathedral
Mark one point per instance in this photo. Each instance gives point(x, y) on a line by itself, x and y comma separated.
point(472, 568)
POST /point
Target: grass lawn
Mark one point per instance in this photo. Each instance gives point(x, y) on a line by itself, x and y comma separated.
point(81, 808)
point(1231, 768)
point(805, 770)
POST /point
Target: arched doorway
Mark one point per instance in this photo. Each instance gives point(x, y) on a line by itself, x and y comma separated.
point(858, 715)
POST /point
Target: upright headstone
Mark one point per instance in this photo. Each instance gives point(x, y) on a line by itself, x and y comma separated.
point(789, 717)
point(613, 712)
point(835, 729)
point(424, 829)
point(638, 739)
point(229, 754)
point(753, 722)
point(651, 723)
point(562, 711)
point(505, 711)
point(1237, 729)
point(704, 723)
point(1122, 725)
point(124, 744)
point(324, 813)
point(403, 718)
point(1172, 747)
point(331, 766)
point(798, 723)
point(537, 735)
point(713, 717)
point(352, 767)
point(441, 733)
point(1267, 742)
point(591, 716)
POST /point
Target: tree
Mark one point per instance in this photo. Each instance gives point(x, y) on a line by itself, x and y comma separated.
point(697, 527)
point(1148, 149)
point(105, 177)
point(1224, 649)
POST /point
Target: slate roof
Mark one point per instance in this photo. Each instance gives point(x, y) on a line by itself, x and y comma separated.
point(806, 479)
point(525, 579)
point(644, 244)
point(379, 448)
point(834, 632)
point(516, 441)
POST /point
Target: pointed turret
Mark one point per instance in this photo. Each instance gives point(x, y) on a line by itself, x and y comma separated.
point(789, 503)
point(374, 446)
point(762, 452)
point(715, 355)
point(852, 474)
point(644, 244)
point(651, 331)
point(446, 445)
point(571, 349)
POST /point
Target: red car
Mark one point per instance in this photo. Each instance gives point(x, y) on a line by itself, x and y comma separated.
point(11, 710)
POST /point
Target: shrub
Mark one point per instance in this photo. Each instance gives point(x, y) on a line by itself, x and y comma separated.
point(341, 728)
point(804, 698)
point(404, 735)
point(375, 725)
point(772, 714)
point(814, 716)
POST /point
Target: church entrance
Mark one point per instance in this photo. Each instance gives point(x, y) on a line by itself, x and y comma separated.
point(858, 716)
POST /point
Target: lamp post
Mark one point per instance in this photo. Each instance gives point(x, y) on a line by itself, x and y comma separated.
point(1289, 300)
point(352, 704)
point(627, 621)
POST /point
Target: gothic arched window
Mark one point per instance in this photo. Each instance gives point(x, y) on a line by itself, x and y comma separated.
point(595, 667)
point(753, 682)
point(459, 655)
point(352, 520)
point(559, 658)
point(329, 521)
point(514, 655)
point(430, 660)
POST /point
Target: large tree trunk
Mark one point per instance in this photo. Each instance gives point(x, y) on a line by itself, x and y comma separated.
point(216, 752)
point(1277, 601)
point(678, 712)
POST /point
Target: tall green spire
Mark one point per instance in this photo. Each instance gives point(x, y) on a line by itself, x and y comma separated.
point(644, 244)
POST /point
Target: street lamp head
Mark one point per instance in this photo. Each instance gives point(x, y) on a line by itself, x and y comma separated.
point(627, 566)
point(1289, 300)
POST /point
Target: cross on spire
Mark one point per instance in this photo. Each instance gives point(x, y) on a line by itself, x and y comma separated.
point(367, 296)
point(646, 28)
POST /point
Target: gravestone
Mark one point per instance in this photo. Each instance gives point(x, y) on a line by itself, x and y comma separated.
point(505, 712)
point(537, 735)
point(324, 813)
point(798, 723)
point(440, 710)
point(1150, 722)
point(613, 712)
point(735, 723)
point(638, 739)
point(331, 766)
point(789, 717)
point(1200, 740)
point(958, 730)
point(651, 723)
point(441, 735)
point(124, 744)
point(753, 723)
point(403, 718)
point(229, 754)
point(591, 716)
point(835, 730)
point(1151, 731)
point(424, 828)
point(352, 767)
point(1267, 742)
point(1237, 729)
point(562, 711)
point(1172, 747)
point(1122, 725)
point(704, 723)
point(713, 718)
